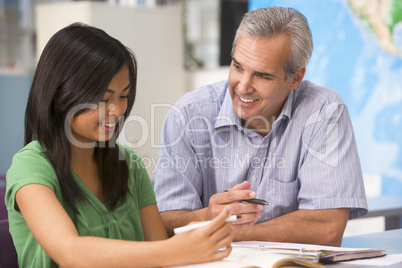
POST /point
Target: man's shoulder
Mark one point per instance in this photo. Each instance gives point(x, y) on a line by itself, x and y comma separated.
point(204, 95)
point(311, 92)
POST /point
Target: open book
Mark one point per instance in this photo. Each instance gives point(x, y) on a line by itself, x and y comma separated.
point(258, 254)
point(314, 253)
point(251, 258)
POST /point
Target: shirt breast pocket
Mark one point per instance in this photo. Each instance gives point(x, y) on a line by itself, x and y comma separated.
point(282, 197)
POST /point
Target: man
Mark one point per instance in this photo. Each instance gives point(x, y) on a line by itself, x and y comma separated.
point(264, 133)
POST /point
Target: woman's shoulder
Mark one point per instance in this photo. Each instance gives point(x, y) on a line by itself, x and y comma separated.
point(138, 178)
point(33, 146)
point(31, 164)
point(129, 153)
point(133, 159)
point(32, 155)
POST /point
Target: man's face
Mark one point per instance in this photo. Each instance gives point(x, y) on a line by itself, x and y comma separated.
point(257, 80)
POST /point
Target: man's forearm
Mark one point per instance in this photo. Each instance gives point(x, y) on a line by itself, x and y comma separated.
point(324, 227)
point(177, 218)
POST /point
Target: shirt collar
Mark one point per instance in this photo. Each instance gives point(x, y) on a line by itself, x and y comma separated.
point(286, 110)
point(227, 116)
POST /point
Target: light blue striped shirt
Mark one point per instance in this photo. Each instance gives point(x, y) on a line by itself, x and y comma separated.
point(309, 159)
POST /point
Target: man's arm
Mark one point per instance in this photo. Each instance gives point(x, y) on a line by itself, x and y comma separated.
point(323, 227)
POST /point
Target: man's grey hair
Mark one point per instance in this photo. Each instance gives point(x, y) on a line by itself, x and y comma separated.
point(270, 22)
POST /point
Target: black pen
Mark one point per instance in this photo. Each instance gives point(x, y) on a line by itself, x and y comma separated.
point(254, 201)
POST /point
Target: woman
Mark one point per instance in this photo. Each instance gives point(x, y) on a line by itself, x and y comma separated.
point(74, 197)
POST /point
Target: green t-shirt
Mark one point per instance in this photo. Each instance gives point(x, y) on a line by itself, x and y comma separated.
point(31, 166)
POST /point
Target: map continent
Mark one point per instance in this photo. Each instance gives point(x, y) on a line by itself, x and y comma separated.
point(384, 17)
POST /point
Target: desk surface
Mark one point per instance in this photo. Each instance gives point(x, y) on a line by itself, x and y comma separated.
point(391, 241)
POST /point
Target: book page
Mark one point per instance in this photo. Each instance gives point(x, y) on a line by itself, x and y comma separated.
point(252, 258)
point(217, 264)
point(264, 259)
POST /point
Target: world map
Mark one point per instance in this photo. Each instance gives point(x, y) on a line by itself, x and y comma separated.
point(358, 53)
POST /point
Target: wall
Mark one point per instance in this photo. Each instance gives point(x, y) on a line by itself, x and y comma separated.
point(14, 90)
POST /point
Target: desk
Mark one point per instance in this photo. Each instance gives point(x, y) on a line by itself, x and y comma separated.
point(391, 241)
point(389, 207)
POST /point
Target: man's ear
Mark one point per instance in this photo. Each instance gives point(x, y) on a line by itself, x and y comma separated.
point(297, 78)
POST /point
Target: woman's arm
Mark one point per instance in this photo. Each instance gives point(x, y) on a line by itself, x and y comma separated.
point(152, 224)
point(57, 235)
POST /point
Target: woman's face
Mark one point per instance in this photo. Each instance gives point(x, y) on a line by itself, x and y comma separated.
point(99, 122)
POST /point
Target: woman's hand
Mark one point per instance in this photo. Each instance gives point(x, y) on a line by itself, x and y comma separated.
point(208, 243)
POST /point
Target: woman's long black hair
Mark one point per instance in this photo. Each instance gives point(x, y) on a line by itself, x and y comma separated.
point(75, 69)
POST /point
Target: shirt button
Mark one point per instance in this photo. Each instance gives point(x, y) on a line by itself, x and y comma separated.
point(253, 179)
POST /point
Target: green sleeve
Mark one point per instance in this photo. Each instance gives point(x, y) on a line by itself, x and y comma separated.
point(29, 166)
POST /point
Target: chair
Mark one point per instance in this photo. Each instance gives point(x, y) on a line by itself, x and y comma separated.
point(8, 255)
point(3, 209)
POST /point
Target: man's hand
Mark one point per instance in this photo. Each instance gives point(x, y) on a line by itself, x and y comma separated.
point(249, 213)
